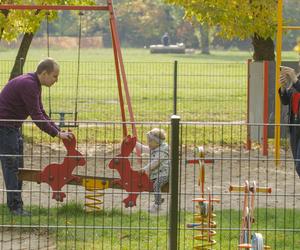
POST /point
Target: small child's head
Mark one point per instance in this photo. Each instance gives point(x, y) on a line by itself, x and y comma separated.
point(156, 137)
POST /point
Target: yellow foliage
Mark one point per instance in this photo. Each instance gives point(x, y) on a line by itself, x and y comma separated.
point(238, 18)
point(29, 21)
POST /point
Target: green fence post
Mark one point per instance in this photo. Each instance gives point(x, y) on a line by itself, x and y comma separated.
point(175, 77)
point(173, 209)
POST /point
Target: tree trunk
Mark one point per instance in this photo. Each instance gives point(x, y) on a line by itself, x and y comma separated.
point(204, 39)
point(5, 13)
point(21, 56)
point(263, 48)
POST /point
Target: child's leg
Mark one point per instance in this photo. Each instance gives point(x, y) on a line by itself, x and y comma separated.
point(159, 182)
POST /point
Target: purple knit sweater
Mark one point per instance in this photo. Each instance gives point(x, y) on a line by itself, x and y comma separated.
point(20, 98)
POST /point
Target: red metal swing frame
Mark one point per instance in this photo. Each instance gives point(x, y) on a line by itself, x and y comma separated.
point(119, 65)
point(50, 174)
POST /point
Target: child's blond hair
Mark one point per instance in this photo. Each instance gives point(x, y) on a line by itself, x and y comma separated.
point(157, 134)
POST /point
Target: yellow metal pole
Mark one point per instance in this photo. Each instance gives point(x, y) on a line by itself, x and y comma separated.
point(277, 84)
point(291, 27)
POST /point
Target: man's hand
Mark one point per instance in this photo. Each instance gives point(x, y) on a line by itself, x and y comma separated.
point(290, 73)
point(65, 135)
point(283, 81)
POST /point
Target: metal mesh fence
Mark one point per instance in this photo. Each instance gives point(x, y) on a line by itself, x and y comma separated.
point(95, 217)
point(206, 91)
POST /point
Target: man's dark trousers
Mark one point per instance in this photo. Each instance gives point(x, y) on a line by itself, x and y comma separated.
point(11, 156)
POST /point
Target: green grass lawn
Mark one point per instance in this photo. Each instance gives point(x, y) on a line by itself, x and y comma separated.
point(210, 87)
point(71, 227)
point(133, 55)
point(139, 55)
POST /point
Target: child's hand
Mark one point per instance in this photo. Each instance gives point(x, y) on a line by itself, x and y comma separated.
point(142, 171)
point(283, 82)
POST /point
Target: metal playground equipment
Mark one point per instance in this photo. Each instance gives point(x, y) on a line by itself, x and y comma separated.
point(204, 216)
point(249, 239)
point(121, 77)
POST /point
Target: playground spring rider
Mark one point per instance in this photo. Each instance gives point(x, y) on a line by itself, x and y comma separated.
point(204, 216)
point(248, 241)
point(93, 198)
point(58, 175)
point(132, 181)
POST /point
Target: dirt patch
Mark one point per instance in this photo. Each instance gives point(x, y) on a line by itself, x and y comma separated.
point(17, 239)
point(231, 166)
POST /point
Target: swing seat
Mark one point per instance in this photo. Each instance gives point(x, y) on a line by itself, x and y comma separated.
point(62, 123)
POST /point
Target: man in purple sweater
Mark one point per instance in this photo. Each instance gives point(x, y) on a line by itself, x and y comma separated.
point(20, 98)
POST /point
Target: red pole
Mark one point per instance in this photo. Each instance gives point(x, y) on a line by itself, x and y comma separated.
point(115, 44)
point(123, 115)
point(266, 107)
point(248, 143)
point(202, 177)
point(121, 64)
point(50, 7)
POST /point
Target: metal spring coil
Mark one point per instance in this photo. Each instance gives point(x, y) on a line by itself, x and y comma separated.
point(204, 224)
point(93, 200)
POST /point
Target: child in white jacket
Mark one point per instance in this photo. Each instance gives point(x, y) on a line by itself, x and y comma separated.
point(158, 167)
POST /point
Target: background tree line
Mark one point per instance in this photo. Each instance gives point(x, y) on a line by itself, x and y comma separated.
point(240, 23)
point(143, 22)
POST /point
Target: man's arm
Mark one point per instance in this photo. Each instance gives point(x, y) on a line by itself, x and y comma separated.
point(46, 116)
point(31, 98)
point(143, 148)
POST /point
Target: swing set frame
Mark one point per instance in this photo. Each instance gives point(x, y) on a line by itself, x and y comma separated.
point(118, 58)
point(90, 182)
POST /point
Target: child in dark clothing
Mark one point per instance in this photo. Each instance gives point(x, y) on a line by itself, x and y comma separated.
point(289, 86)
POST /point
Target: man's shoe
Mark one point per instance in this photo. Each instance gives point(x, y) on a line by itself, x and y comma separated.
point(20, 212)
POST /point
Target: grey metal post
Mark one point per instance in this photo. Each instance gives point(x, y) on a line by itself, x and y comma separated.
point(175, 88)
point(173, 209)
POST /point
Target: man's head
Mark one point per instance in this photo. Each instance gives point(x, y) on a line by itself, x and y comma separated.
point(48, 71)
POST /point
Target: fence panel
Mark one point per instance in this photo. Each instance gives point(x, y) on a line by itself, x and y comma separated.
point(95, 217)
point(206, 91)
